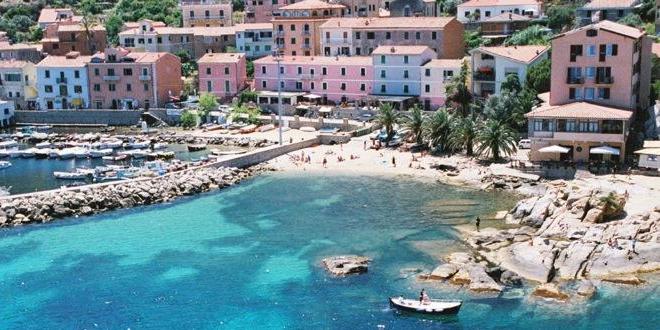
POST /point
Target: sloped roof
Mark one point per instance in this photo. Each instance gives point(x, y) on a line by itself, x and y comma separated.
point(221, 57)
point(387, 22)
point(253, 26)
point(320, 60)
point(400, 50)
point(312, 4)
point(12, 64)
point(597, 4)
point(506, 17)
point(489, 3)
point(609, 26)
point(64, 61)
point(444, 63)
point(580, 110)
point(523, 54)
point(49, 15)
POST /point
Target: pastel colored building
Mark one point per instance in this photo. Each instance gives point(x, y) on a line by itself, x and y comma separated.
point(491, 65)
point(605, 63)
point(475, 11)
point(334, 79)
point(649, 155)
point(435, 75)
point(397, 74)
point(412, 8)
point(362, 8)
point(63, 38)
point(297, 28)
point(360, 36)
point(254, 39)
point(20, 52)
point(262, 11)
point(18, 83)
point(6, 113)
point(62, 82)
point(207, 13)
point(120, 79)
point(49, 16)
point(599, 10)
point(503, 25)
point(223, 75)
point(150, 36)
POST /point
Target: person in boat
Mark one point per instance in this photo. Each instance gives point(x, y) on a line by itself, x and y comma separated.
point(423, 297)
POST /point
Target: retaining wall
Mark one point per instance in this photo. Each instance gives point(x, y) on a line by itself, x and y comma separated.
point(80, 117)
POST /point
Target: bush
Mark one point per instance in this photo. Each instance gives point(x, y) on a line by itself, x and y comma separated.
point(245, 114)
point(188, 119)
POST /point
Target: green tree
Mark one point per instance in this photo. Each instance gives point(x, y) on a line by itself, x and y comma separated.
point(188, 119)
point(207, 103)
point(242, 113)
point(533, 35)
point(538, 76)
point(89, 7)
point(388, 118)
point(561, 16)
point(463, 133)
point(112, 27)
point(415, 123)
point(35, 34)
point(631, 20)
point(457, 91)
point(438, 129)
point(497, 139)
point(473, 39)
point(647, 10)
point(90, 22)
point(246, 97)
point(511, 84)
point(249, 68)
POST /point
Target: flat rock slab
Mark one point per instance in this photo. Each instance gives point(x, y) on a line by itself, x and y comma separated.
point(346, 265)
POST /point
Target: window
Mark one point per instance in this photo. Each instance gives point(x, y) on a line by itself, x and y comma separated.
point(97, 87)
point(604, 93)
point(293, 41)
point(345, 35)
point(433, 35)
point(343, 86)
point(129, 87)
point(576, 50)
point(467, 14)
point(76, 74)
point(281, 70)
point(418, 35)
point(406, 35)
point(327, 35)
point(324, 86)
point(111, 87)
point(128, 72)
point(293, 27)
point(226, 86)
point(487, 13)
point(611, 49)
point(405, 89)
point(388, 35)
point(263, 70)
point(382, 59)
point(590, 72)
point(363, 72)
point(383, 89)
point(311, 85)
point(357, 35)
point(111, 72)
point(591, 32)
point(575, 93)
point(371, 35)
point(263, 84)
point(363, 87)
point(427, 72)
point(208, 70)
point(48, 89)
point(405, 74)
point(96, 71)
point(382, 74)
point(324, 71)
point(591, 50)
point(226, 70)
point(589, 93)
point(146, 87)
point(343, 71)
point(405, 59)
point(427, 88)
point(47, 73)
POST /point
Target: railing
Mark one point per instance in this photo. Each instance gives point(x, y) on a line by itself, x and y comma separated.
point(484, 76)
point(145, 77)
point(575, 80)
point(279, 33)
point(307, 33)
point(111, 78)
point(306, 46)
point(579, 136)
point(604, 80)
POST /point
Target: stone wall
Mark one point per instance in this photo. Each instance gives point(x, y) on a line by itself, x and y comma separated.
point(264, 154)
point(80, 117)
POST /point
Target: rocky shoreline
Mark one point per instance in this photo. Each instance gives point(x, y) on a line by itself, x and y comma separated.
point(88, 200)
point(569, 235)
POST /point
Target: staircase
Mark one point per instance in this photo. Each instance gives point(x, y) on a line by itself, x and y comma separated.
point(153, 120)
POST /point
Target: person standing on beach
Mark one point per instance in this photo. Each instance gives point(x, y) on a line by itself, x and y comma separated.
point(365, 145)
point(478, 221)
point(393, 161)
point(325, 162)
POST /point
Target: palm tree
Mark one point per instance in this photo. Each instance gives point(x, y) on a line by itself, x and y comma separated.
point(438, 128)
point(463, 134)
point(496, 138)
point(415, 123)
point(457, 91)
point(387, 117)
point(89, 22)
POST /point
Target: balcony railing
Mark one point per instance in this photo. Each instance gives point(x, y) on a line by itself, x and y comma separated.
point(307, 33)
point(484, 76)
point(575, 80)
point(111, 78)
point(306, 76)
point(145, 77)
point(605, 80)
point(306, 46)
point(61, 80)
point(279, 33)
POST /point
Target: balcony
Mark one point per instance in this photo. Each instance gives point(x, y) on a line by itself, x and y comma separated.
point(61, 80)
point(306, 46)
point(306, 33)
point(306, 76)
point(279, 33)
point(145, 77)
point(110, 78)
point(588, 137)
point(484, 76)
point(604, 80)
point(574, 80)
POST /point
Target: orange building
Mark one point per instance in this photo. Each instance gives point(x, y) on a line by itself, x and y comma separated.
point(60, 39)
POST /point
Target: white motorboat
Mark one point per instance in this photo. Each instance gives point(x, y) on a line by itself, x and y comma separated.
point(8, 144)
point(43, 145)
point(428, 306)
point(4, 153)
point(81, 153)
point(66, 153)
point(138, 144)
point(98, 153)
point(39, 136)
point(160, 146)
point(42, 153)
point(4, 164)
point(70, 175)
point(28, 153)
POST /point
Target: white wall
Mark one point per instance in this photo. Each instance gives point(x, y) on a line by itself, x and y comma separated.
point(494, 11)
point(69, 74)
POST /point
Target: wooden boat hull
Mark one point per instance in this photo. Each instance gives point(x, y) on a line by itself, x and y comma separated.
point(424, 310)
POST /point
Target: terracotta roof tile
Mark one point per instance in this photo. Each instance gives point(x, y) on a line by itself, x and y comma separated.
point(320, 60)
point(524, 54)
point(49, 15)
point(610, 26)
point(253, 26)
point(596, 4)
point(312, 4)
point(387, 22)
point(400, 50)
point(63, 61)
point(489, 3)
point(12, 64)
point(221, 58)
point(580, 110)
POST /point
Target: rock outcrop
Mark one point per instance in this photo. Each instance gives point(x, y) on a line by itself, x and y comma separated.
point(346, 265)
point(549, 290)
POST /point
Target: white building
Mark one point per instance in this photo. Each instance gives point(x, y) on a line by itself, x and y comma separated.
point(397, 73)
point(491, 65)
point(435, 75)
point(255, 40)
point(649, 155)
point(6, 112)
point(475, 11)
point(62, 82)
point(18, 83)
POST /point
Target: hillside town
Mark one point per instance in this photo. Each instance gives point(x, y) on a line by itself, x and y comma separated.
point(541, 119)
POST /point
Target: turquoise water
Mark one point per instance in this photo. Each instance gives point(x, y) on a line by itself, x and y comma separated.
point(248, 257)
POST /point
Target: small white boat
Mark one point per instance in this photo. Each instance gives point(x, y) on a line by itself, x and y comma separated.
point(138, 144)
point(66, 153)
point(227, 152)
point(197, 147)
point(4, 153)
point(117, 158)
point(42, 153)
point(28, 153)
point(429, 306)
point(70, 175)
point(4, 164)
point(139, 154)
point(43, 145)
point(81, 153)
point(8, 144)
point(307, 129)
point(160, 146)
point(14, 153)
point(98, 153)
point(39, 136)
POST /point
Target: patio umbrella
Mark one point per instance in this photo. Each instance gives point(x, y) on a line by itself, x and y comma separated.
point(312, 96)
point(555, 149)
point(604, 150)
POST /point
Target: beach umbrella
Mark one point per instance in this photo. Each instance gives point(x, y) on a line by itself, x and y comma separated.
point(604, 150)
point(555, 149)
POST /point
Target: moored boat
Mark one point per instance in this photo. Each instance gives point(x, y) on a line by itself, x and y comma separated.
point(428, 306)
point(71, 175)
point(8, 144)
point(98, 153)
point(41, 153)
point(197, 147)
point(4, 164)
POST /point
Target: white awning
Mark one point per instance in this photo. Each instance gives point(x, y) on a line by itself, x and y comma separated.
point(649, 151)
point(302, 107)
point(554, 149)
point(312, 96)
point(325, 109)
point(604, 150)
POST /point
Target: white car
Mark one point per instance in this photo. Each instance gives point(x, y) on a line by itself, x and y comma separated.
point(525, 144)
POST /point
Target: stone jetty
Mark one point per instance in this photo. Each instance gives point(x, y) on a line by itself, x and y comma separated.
point(87, 200)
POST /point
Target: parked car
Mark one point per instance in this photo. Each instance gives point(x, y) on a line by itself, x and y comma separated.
point(525, 144)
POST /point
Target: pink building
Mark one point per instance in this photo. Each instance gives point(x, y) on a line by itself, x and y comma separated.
point(334, 79)
point(435, 75)
point(605, 63)
point(222, 74)
point(262, 11)
point(120, 79)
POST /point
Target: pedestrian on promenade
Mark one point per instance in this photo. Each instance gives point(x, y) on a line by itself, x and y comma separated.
point(325, 162)
point(393, 161)
point(478, 221)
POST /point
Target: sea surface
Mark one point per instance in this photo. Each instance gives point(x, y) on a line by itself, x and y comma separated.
point(248, 258)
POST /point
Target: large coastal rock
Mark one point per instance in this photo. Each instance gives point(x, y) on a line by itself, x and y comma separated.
point(549, 290)
point(346, 265)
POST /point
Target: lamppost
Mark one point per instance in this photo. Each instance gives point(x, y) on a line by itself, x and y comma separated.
point(278, 58)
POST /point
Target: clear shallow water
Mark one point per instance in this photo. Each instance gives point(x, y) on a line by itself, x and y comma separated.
point(247, 258)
